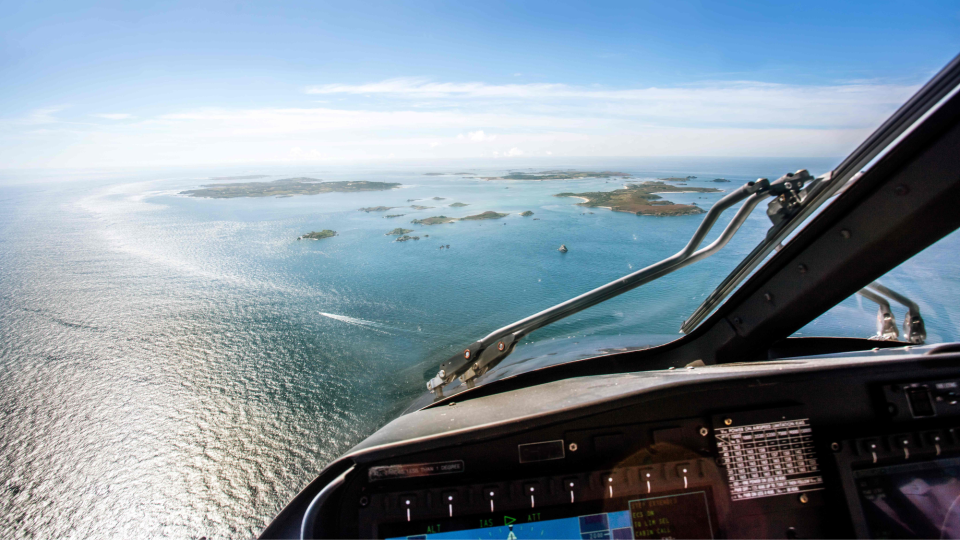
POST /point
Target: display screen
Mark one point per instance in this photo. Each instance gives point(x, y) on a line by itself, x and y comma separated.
point(676, 515)
point(916, 500)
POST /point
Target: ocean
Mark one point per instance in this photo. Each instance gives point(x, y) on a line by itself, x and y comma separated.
point(177, 366)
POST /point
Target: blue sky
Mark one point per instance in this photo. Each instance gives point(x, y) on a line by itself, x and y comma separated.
point(123, 84)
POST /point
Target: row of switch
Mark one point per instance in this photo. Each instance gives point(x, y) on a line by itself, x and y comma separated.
point(537, 493)
point(908, 445)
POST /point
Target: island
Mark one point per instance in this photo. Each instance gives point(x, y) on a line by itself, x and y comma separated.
point(435, 174)
point(418, 207)
point(436, 220)
point(527, 213)
point(486, 215)
point(676, 179)
point(326, 233)
point(377, 208)
point(458, 205)
point(404, 238)
point(720, 180)
point(248, 177)
point(641, 199)
point(394, 215)
point(439, 199)
point(465, 173)
point(399, 232)
point(558, 175)
point(287, 186)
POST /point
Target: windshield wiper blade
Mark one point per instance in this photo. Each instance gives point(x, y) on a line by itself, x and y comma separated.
point(486, 353)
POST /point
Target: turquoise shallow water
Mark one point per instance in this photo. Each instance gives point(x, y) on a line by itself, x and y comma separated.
point(181, 366)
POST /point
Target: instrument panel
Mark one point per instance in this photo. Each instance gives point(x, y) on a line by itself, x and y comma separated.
point(837, 450)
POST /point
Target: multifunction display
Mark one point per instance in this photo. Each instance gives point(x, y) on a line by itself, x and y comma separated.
point(767, 459)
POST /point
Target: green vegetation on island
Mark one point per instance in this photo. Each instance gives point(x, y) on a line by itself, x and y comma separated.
point(720, 180)
point(439, 199)
point(394, 215)
point(486, 215)
point(326, 233)
point(287, 186)
point(641, 199)
point(527, 213)
point(458, 205)
point(418, 207)
point(377, 209)
point(677, 179)
point(404, 238)
point(436, 220)
point(399, 231)
point(559, 175)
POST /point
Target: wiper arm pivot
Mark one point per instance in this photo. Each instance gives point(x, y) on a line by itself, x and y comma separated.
point(486, 353)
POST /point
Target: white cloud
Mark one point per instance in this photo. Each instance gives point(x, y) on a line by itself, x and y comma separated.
point(513, 152)
point(854, 104)
point(115, 116)
point(478, 136)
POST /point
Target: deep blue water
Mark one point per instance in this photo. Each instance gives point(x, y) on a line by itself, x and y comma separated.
point(182, 366)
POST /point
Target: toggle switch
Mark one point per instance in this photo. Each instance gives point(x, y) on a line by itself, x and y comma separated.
point(684, 470)
point(532, 489)
point(646, 476)
point(608, 480)
point(871, 446)
point(933, 438)
point(903, 442)
point(490, 494)
point(571, 485)
point(449, 498)
point(408, 502)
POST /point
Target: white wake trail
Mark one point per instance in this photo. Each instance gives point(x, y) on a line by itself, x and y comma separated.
point(375, 326)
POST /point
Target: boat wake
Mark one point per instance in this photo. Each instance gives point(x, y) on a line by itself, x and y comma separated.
point(375, 326)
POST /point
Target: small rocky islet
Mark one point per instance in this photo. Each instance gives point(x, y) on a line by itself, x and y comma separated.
point(318, 235)
point(399, 231)
point(437, 220)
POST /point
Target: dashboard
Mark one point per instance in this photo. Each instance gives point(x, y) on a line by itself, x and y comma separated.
point(856, 445)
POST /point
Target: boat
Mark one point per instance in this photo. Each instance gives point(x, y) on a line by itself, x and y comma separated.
point(739, 428)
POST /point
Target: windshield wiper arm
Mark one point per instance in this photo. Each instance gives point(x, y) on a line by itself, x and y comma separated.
point(914, 330)
point(486, 353)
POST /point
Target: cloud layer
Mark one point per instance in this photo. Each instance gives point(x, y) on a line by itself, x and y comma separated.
point(414, 118)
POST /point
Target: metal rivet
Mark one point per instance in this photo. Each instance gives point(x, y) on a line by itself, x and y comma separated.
point(804, 499)
point(501, 346)
point(466, 354)
point(845, 233)
point(737, 320)
point(704, 431)
point(572, 446)
point(901, 190)
point(835, 446)
point(802, 268)
point(364, 501)
point(727, 421)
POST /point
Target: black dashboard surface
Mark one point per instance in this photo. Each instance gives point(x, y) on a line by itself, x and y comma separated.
point(857, 444)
